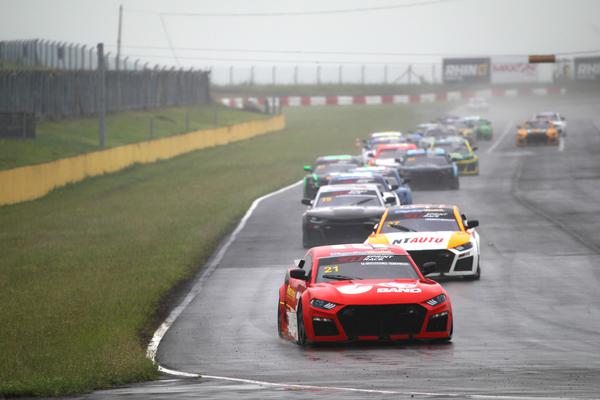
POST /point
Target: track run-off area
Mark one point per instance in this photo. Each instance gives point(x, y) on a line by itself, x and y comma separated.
point(530, 328)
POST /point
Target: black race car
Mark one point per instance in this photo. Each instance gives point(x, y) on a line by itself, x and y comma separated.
point(342, 214)
point(429, 169)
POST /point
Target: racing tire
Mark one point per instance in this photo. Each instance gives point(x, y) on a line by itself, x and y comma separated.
point(279, 320)
point(476, 276)
point(308, 240)
point(301, 341)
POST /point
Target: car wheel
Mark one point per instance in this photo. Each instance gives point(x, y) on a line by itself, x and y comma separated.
point(476, 276)
point(301, 328)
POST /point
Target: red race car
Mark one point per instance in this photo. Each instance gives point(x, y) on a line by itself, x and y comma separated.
point(357, 292)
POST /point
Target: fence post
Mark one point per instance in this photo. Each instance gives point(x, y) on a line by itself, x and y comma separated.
point(318, 74)
point(340, 74)
point(252, 75)
point(101, 94)
point(231, 75)
point(385, 74)
point(295, 75)
point(362, 74)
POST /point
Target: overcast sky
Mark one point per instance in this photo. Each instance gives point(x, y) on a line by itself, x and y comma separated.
point(410, 27)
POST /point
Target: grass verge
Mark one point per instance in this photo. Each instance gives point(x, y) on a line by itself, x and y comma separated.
point(84, 269)
point(58, 139)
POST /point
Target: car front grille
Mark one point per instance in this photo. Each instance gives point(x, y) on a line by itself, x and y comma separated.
point(382, 320)
point(443, 258)
point(325, 328)
point(438, 324)
point(464, 264)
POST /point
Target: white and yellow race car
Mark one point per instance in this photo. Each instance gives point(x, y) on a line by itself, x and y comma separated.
point(438, 233)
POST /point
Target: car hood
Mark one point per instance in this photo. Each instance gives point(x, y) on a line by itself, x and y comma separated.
point(422, 240)
point(345, 212)
point(376, 291)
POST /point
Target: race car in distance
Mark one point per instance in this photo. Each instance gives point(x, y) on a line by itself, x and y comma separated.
point(398, 185)
point(387, 155)
point(429, 169)
point(559, 122)
point(481, 127)
point(460, 151)
point(538, 131)
point(378, 138)
point(342, 214)
point(358, 292)
point(363, 178)
point(478, 103)
point(438, 233)
point(319, 175)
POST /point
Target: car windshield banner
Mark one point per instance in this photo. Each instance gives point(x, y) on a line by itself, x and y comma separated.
point(587, 68)
point(467, 70)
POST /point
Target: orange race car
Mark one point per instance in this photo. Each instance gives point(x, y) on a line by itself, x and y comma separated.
point(537, 132)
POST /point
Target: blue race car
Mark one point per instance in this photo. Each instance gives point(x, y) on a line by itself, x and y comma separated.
point(398, 185)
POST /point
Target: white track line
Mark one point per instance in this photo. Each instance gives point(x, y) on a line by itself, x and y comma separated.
point(561, 144)
point(377, 391)
point(210, 267)
point(507, 129)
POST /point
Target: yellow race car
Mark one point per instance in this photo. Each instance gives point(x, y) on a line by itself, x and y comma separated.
point(460, 150)
point(537, 132)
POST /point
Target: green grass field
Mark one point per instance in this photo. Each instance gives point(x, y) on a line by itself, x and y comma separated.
point(70, 137)
point(84, 269)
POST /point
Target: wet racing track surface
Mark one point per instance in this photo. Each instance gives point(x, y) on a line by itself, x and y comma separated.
point(529, 328)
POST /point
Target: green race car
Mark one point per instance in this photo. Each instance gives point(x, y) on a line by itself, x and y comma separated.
point(482, 127)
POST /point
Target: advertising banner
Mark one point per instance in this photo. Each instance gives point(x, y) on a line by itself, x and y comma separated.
point(587, 68)
point(513, 70)
point(466, 70)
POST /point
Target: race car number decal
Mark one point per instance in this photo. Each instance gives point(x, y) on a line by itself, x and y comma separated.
point(331, 268)
point(424, 239)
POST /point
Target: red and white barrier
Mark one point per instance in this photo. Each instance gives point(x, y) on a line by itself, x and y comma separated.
point(298, 101)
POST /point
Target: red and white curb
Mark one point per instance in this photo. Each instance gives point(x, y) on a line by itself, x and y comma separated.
point(299, 101)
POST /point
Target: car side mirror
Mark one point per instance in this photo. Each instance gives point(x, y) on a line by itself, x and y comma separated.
point(406, 180)
point(390, 200)
point(298, 273)
point(472, 224)
point(429, 267)
point(307, 202)
point(563, 119)
point(370, 154)
point(475, 148)
point(308, 168)
point(394, 187)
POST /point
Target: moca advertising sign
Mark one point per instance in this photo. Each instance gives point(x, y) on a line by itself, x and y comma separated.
point(466, 70)
point(587, 68)
point(513, 70)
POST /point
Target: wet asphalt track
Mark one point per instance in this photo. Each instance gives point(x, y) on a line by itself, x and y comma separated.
point(529, 327)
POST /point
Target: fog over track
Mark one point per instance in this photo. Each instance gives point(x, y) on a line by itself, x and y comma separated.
point(529, 328)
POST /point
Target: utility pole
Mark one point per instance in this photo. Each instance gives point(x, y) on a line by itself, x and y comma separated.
point(101, 82)
point(118, 63)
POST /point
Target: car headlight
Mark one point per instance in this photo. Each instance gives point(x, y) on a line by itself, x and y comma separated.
point(464, 247)
point(436, 300)
point(315, 220)
point(325, 305)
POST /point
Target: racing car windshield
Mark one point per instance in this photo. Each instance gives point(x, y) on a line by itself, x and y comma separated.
point(453, 147)
point(392, 153)
point(538, 124)
point(324, 169)
point(342, 198)
point(426, 160)
point(431, 220)
point(365, 266)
